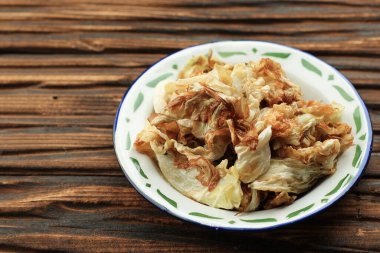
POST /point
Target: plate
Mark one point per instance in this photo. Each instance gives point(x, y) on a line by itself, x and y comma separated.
point(318, 81)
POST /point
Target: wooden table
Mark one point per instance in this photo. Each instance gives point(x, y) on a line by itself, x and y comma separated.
point(64, 66)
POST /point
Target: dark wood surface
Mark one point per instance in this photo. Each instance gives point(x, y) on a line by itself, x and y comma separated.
point(64, 66)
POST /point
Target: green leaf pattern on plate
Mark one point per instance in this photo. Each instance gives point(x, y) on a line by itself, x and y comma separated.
point(232, 222)
point(358, 153)
point(154, 82)
point(254, 50)
point(293, 214)
point(229, 54)
point(205, 216)
point(337, 187)
point(311, 67)
point(138, 167)
point(348, 180)
point(331, 77)
point(358, 163)
point(357, 119)
point(277, 54)
point(259, 220)
point(175, 66)
point(362, 137)
point(167, 199)
point(138, 101)
point(128, 144)
point(343, 93)
point(324, 200)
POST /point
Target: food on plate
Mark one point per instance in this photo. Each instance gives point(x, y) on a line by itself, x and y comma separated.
point(240, 136)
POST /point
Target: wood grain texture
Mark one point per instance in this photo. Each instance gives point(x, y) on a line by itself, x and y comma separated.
point(132, 42)
point(64, 67)
point(119, 214)
point(297, 10)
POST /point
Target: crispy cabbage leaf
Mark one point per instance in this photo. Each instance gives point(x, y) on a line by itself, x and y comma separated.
point(321, 153)
point(251, 163)
point(328, 112)
point(198, 179)
point(251, 198)
point(290, 175)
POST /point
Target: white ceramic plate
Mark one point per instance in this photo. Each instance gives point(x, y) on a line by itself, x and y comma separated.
point(318, 81)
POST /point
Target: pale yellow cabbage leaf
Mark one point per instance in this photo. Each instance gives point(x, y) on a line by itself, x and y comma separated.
point(225, 194)
point(290, 175)
point(250, 164)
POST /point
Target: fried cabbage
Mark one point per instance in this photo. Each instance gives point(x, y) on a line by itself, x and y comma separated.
point(197, 178)
point(251, 163)
point(240, 137)
point(290, 175)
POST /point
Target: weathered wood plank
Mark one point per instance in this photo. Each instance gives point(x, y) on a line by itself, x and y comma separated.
point(10, 121)
point(375, 119)
point(83, 60)
point(363, 78)
point(373, 168)
point(95, 101)
point(370, 97)
point(98, 42)
point(376, 143)
point(290, 27)
point(67, 241)
point(247, 12)
point(192, 239)
point(181, 3)
point(50, 138)
point(68, 76)
point(68, 162)
point(368, 186)
point(352, 62)
point(115, 212)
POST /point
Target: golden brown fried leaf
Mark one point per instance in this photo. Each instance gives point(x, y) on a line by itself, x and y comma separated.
point(290, 175)
point(279, 199)
point(251, 163)
point(321, 153)
point(198, 179)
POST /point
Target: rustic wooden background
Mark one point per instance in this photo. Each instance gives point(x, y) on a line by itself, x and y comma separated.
point(64, 66)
